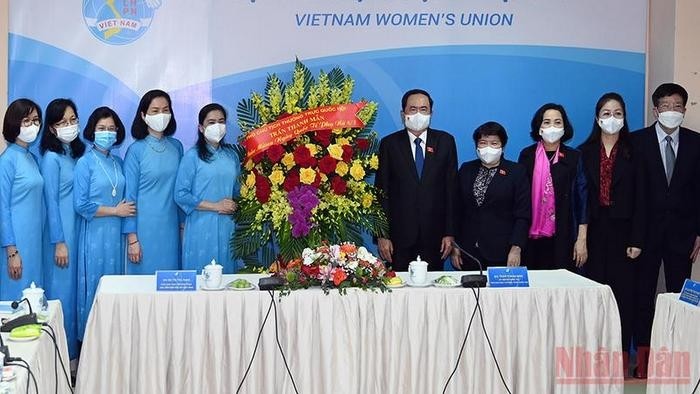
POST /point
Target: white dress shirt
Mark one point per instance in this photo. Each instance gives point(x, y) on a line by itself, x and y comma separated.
point(661, 136)
point(423, 139)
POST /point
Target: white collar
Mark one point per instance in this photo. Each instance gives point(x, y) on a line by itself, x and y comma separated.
point(423, 136)
point(661, 134)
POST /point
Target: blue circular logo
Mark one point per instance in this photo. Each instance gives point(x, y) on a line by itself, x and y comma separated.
point(119, 22)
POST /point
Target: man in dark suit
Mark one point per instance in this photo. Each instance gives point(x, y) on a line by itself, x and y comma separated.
point(670, 156)
point(417, 172)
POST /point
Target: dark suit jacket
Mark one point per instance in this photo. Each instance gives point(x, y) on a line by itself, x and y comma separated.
point(570, 195)
point(418, 207)
point(673, 210)
point(504, 217)
point(627, 190)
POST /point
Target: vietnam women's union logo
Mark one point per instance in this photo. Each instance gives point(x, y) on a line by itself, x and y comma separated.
point(119, 22)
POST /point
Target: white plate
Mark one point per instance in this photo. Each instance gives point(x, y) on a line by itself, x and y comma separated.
point(411, 284)
point(251, 287)
point(27, 339)
point(398, 286)
point(447, 285)
point(202, 287)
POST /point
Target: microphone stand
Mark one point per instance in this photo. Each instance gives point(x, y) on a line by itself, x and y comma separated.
point(472, 280)
point(23, 320)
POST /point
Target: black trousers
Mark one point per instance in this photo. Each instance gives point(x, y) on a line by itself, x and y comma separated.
point(427, 250)
point(608, 264)
point(677, 268)
point(540, 254)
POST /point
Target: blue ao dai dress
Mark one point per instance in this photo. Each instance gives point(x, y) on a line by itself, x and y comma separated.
point(21, 218)
point(61, 283)
point(207, 234)
point(150, 168)
point(100, 240)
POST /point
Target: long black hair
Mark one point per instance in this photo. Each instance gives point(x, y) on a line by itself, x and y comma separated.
point(202, 150)
point(139, 128)
point(49, 141)
point(624, 138)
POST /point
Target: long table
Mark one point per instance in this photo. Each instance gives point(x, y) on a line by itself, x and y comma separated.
point(674, 361)
point(406, 341)
point(40, 355)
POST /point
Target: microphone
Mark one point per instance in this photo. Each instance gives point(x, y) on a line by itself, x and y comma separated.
point(23, 320)
point(472, 280)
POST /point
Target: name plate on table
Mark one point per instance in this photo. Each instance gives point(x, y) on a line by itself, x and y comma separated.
point(508, 277)
point(691, 292)
point(185, 280)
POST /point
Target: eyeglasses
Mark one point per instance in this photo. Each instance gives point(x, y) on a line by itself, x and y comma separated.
point(663, 107)
point(414, 110)
point(64, 123)
point(110, 128)
point(26, 122)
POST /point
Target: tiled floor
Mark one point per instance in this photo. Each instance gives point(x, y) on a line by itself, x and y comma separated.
point(634, 386)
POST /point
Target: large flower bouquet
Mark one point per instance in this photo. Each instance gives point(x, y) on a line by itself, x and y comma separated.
point(308, 153)
point(334, 266)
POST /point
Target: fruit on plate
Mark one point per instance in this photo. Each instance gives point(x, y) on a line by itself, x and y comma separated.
point(446, 280)
point(239, 284)
point(395, 281)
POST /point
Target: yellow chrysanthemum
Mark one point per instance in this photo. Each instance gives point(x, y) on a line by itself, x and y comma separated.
point(374, 162)
point(336, 151)
point(249, 165)
point(245, 191)
point(342, 141)
point(277, 177)
point(341, 168)
point(367, 199)
point(250, 180)
point(356, 171)
point(307, 175)
point(288, 160)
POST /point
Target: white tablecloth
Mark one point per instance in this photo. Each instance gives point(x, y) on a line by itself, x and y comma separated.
point(674, 361)
point(40, 356)
point(406, 341)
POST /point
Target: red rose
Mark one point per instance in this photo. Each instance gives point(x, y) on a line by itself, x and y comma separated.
point(390, 274)
point(323, 137)
point(327, 164)
point(339, 276)
point(258, 157)
point(317, 180)
point(347, 153)
point(310, 270)
point(339, 185)
point(362, 144)
point(275, 153)
point(262, 189)
point(303, 158)
point(291, 181)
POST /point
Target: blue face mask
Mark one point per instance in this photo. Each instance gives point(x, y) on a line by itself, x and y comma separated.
point(105, 139)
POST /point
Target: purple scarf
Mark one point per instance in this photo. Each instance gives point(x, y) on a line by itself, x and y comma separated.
point(542, 195)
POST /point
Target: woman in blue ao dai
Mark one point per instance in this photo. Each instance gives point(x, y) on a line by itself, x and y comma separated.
point(98, 199)
point(21, 201)
point(207, 182)
point(61, 149)
point(150, 168)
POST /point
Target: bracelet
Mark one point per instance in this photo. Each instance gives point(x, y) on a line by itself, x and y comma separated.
point(133, 243)
point(13, 254)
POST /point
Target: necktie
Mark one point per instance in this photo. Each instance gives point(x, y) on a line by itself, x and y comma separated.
point(419, 157)
point(670, 159)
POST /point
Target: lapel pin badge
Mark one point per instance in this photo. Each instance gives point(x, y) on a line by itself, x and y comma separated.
point(429, 149)
point(502, 171)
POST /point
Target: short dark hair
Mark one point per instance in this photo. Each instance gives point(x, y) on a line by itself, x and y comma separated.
point(99, 114)
point(16, 111)
point(669, 89)
point(489, 129)
point(411, 92)
point(202, 150)
point(139, 128)
point(539, 115)
point(594, 137)
point(49, 142)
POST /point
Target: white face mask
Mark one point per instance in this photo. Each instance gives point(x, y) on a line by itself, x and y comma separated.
point(611, 125)
point(28, 134)
point(417, 121)
point(489, 155)
point(671, 119)
point(67, 134)
point(552, 134)
point(158, 122)
point(215, 132)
